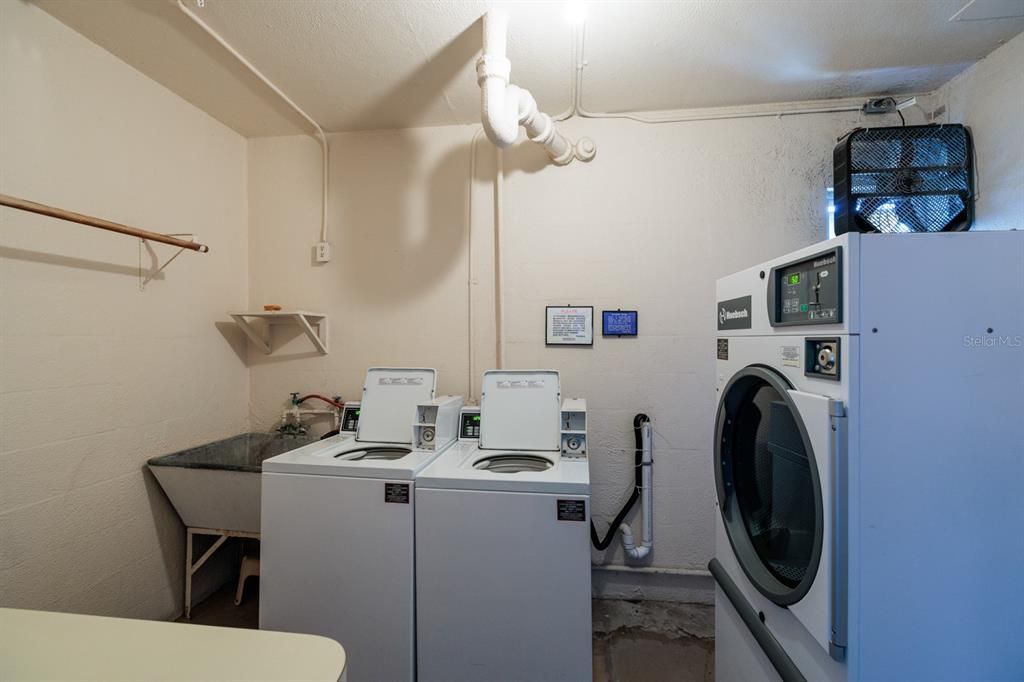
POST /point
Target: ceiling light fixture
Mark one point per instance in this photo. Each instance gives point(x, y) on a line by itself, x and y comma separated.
point(575, 12)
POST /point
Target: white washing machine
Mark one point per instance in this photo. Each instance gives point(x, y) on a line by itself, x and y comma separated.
point(503, 544)
point(337, 545)
point(869, 462)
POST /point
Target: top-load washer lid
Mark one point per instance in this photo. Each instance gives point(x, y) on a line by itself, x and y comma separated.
point(390, 397)
point(519, 410)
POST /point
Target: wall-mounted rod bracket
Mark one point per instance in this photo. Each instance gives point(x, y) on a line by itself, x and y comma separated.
point(144, 277)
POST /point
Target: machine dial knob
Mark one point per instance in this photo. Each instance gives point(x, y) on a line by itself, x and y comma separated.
point(428, 435)
point(827, 357)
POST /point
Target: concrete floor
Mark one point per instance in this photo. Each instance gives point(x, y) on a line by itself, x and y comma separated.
point(634, 641)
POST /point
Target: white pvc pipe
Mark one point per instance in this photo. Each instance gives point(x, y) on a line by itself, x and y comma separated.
point(646, 502)
point(321, 137)
point(470, 274)
point(504, 107)
point(499, 269)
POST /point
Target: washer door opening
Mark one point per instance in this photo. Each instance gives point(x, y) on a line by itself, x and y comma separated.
point(384, 452)
point(513, 463)
point(768, 485)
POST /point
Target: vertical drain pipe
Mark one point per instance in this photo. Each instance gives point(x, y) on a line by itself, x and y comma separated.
point(646, 502)
point(499, 255)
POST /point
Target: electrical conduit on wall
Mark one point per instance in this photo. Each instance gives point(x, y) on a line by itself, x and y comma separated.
point(318, 131)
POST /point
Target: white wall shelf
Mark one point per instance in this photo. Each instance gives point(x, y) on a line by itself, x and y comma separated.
point(305, 319)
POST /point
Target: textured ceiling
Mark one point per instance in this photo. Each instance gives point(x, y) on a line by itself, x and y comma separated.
point(356, 65)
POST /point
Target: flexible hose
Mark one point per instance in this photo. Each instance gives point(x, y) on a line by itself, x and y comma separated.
point(334, 403)
point(596, 540)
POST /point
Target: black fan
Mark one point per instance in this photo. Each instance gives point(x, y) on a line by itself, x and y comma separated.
point(904, 179)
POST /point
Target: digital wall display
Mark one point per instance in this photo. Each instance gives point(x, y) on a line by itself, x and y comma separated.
point(619, 322)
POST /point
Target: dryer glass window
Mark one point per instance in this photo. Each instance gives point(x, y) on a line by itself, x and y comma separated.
point(768, 486)
point(773, 487)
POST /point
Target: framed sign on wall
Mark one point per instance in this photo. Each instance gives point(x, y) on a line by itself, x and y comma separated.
point(569, 325)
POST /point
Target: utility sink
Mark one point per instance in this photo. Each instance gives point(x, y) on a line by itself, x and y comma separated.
point(217, 485)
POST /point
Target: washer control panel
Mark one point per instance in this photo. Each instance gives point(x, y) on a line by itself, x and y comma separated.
point(469, 423)
point(808, 291)
point(350, 418)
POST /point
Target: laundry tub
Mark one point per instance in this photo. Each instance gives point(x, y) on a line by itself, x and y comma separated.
point(217, 485)
point(215, 488)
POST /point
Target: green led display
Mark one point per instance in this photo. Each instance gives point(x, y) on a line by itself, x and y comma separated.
point(794, 279)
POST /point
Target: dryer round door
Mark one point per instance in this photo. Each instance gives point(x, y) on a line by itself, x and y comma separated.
point(769, 490)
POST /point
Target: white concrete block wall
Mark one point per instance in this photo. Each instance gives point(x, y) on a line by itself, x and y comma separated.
point(96, 376)
point(989, 98)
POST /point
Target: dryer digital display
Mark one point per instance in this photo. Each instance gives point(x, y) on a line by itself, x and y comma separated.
point(809, 291)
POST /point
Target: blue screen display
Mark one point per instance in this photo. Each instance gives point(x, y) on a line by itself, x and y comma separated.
point(619, 322)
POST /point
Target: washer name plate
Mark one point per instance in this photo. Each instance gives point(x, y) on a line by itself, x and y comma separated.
point(572, 510)
point(396, 493)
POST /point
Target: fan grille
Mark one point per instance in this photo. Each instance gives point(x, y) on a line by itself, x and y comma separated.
point(904, 179)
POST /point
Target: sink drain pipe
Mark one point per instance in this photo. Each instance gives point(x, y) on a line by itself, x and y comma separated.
point(505, 107)
point(646, 502)
point(643, 462)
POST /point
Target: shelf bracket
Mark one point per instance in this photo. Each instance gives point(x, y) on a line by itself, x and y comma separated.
point(261, 338)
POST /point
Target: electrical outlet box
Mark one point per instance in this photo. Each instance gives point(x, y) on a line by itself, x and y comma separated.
point(879, 105)
point(323, 252)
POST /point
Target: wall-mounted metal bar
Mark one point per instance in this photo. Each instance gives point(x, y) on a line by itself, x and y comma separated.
point(53, 212)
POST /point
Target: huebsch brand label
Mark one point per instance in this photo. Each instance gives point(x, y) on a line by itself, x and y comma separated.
point(734, 313)
point(723, 349)
point(572, 510)
point(397, 493)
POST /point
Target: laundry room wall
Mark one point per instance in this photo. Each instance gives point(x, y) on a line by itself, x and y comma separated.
point(97, 376)
point(989, 98)
point(650, 224)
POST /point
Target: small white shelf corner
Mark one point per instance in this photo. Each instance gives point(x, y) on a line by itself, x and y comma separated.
point(314, 325)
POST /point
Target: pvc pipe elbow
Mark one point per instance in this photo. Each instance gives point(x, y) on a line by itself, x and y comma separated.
point(499, 106)
point(628, 544)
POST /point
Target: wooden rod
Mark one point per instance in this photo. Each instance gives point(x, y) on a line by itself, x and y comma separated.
point(53, 212)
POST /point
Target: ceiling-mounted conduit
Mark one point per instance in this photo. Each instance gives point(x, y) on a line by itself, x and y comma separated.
point(761, 111)
point(319, 132)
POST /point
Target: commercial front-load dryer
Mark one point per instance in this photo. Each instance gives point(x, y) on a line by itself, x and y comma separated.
point(869, 462)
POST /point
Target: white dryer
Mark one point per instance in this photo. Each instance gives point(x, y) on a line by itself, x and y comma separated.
point(503, 544)
point(868, 461)
point(337, 545)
